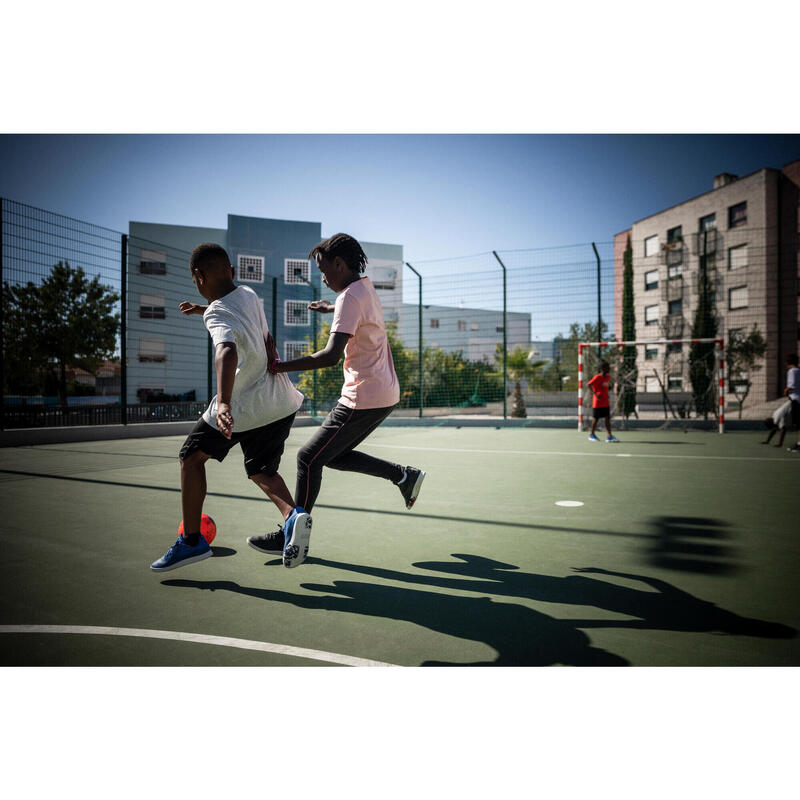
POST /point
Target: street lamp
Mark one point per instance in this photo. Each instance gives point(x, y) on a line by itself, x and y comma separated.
point(298, 273)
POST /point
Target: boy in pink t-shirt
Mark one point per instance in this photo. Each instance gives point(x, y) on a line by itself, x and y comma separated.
point(370, 391)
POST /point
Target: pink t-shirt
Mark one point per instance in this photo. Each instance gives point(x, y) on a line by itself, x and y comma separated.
point(369, 377)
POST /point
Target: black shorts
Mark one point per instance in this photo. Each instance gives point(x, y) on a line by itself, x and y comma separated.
point(601, 413)
point(795, 413)
point(262, 447)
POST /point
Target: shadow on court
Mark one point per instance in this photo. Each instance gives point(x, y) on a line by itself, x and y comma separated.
point(519, 635)
point(667, 608)
point(692, 544)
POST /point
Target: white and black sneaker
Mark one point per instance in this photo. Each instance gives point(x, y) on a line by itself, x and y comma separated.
point(270, 544)
point(410, 484)
point(296, 534)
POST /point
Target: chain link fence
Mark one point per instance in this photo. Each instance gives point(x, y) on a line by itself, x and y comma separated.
point(92, 333)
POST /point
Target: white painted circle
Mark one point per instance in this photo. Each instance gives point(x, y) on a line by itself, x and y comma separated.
point(569, 503)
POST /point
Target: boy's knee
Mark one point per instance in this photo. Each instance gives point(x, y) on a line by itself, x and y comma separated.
point(195, 459)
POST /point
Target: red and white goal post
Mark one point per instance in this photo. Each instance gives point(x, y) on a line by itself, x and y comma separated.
point(719, 348)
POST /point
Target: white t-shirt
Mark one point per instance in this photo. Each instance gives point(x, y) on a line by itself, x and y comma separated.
point(258, 397)
point(793, 382)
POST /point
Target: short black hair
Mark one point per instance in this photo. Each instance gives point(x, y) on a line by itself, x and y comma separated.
point(792, 359)
point(209, 256)
point(344, 246)
point(605, 365)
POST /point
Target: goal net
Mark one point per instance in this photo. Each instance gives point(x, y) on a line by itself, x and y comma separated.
point(676, 383)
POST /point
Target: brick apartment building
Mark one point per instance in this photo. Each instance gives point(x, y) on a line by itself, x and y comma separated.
point(745, 232)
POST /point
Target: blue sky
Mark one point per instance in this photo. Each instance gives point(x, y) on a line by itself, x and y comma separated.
point(440, 196)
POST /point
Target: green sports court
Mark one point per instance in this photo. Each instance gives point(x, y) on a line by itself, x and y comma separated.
point(683, 551)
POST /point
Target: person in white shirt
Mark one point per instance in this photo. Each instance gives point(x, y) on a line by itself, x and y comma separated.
point(792, 391)
point(778, 422)
point(252, 408)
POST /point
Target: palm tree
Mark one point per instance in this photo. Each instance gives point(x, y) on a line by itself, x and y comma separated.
point(520, 365)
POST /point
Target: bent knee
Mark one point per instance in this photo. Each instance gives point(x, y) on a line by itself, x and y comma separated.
point(195, 459)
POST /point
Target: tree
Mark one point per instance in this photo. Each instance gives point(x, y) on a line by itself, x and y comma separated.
point(701, 356)
point(629, 370)
point(566, 352)
point(742, 355)
point(519, 367)
point(67, 320)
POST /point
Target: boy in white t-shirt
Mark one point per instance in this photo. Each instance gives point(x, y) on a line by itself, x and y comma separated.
point(370, 391)
point(252, 408)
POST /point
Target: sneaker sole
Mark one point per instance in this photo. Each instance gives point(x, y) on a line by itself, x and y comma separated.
point(262, 550)
point(415, 491)
point(184, 562)
point(296, 549)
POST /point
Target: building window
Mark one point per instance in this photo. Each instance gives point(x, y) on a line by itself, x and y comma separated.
point(296, 270)
point(737, 215)
point(292, 350)
point(650, 353)
point(474, 326)
point(737, 257)
point(707, 223)
point(737, 298)
point(434, 323)
point(152, 350)
point(383, 278)
point(152, 306)
point(651, 279)
point(651, 315)
point(650, 246)
point(674, 348)
point(675, 235)
point(675, 383)
point(498, 329)
point(735, 335)
point(651, 384)
point(462, 324)
point(251, 269)
point(153, 262)
point(675, 307)
point(295, 312)
point(675, 271)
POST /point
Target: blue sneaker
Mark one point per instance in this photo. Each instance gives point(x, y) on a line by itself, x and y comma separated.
point(296, 535)
point(611, 438)
point(181, 554)
point(593, 438)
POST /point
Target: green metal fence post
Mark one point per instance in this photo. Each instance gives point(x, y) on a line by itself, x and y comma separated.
point(123, 331)
point(420, 334)
point(505, 340)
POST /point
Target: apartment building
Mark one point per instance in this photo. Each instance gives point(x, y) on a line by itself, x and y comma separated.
point(743, 235)
point(169, 353)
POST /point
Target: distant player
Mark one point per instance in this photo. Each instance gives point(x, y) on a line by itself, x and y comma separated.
point(778, 422)
point(371, 389)
point(252, 408)
point(601, 406)
point(792, 391)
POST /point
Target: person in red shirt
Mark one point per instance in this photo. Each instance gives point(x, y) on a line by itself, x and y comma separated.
point(601, 407)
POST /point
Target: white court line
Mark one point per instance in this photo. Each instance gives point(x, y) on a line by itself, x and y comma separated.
point(200, 638)
point(582, 455)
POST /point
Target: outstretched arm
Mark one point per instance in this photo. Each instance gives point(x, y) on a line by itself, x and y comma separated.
point(327, 357)
point(191, 308)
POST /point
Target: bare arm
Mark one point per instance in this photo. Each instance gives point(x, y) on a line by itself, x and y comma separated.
point(226, 359)
point(328, 357)
point(191, 308)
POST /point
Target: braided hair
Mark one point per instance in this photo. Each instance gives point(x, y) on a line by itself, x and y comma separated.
point(344, 246)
